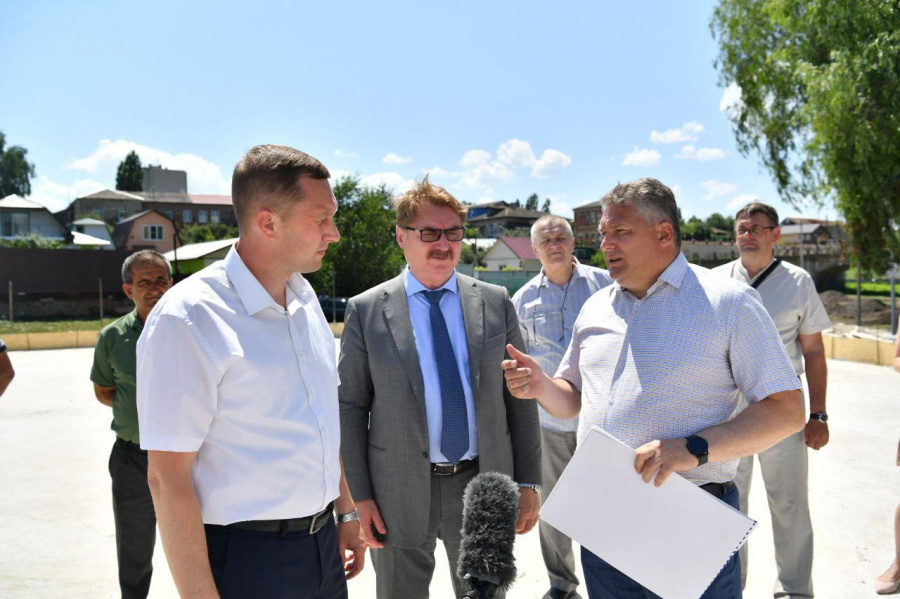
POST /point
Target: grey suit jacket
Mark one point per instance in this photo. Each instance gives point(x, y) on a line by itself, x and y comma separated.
point(384, 434)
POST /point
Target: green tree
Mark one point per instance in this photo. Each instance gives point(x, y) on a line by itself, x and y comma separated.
point(546, 206)
point(33, 242)
point(15, 170)
point(130, 176)
point(531, 202)
point(820, 105)
point(208, 232)
point(367, 253)
point(598, 260)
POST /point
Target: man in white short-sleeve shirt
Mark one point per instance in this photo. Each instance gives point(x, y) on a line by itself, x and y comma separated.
point(237, 402)
point(657, 359)
point(789, 295)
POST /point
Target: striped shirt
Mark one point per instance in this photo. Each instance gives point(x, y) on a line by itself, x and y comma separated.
point(547, 313)
point(673, 363)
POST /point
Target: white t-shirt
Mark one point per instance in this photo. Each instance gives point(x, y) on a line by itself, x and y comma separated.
point(224, 371)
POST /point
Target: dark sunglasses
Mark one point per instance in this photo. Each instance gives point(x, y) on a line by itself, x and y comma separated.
point(429, 235)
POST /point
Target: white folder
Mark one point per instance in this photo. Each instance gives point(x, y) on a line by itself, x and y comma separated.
point(673, 539)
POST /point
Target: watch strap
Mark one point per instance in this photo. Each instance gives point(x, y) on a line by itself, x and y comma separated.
point(348, 517)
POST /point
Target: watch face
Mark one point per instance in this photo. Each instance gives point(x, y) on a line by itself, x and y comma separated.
point(697, 446)
point(821, 417)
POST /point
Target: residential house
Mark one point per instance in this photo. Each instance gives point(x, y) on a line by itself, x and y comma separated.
point(20, 218)
point(193, 257)
point(91, 232)
point(587, 221)
point(497, 219)
point(149, 229)
point(512, 253)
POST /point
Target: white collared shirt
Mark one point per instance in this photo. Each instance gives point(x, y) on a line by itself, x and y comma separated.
point(224, 371)
point(547, 313)
point(670, 364)
point(420, 315)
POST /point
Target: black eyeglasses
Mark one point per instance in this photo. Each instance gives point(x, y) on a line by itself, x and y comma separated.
point(755, 231)
point(429, 235)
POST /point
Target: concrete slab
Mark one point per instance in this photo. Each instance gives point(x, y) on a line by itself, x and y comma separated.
point(56, 526)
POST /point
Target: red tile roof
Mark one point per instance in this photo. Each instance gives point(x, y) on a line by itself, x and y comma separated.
point(201, 198)
point(521, 247)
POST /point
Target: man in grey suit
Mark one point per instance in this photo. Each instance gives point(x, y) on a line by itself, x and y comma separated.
point(423, 402)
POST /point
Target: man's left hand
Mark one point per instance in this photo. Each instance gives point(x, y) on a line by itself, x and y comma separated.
point(529, 509)
point(816, 434)
point(662, 458)
point(353, 548)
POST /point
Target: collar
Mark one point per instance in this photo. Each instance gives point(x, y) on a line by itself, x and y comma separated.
point(577, 273)
point(253, 295)
point(743, 271)
point(672, 275)
point(135, 323)
point(413, 286)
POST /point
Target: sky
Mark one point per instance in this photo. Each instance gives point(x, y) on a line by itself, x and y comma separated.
point(494, 101)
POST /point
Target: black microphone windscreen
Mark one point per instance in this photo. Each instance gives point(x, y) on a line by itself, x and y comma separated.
point(490, 510)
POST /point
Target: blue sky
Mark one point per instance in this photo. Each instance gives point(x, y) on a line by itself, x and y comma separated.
point(495, 100)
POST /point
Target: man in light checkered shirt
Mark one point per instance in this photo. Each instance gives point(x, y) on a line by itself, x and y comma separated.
point(658, 359)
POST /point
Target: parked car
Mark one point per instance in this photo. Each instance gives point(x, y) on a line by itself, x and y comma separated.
point(333, 307)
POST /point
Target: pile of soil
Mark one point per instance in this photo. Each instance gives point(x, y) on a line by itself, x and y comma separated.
point(842, 308)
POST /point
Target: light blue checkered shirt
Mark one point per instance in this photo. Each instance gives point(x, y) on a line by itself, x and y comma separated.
point(671, 364)
point(547, 323)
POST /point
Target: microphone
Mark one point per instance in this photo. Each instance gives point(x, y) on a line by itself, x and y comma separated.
point(490, 509)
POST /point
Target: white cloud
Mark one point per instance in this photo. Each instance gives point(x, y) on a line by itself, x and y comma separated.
point(394, 159)
point(732, 103)
point(702, 154)
point(516, 153)
point(717, 189)
point(203, 175)
point(395, 182)
point(640, 157)
point(688, 132)
point(475, 158)
point(741, 201)
point(337, 174)
point(485, 200)
point(56, 196)
point(550, 162)
point(339, 153)
point(559, 206)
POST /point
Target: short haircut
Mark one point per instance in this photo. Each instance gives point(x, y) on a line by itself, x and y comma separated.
point(410, 203)
point(552, 220)
point(268, 176)
point(758, 208)
point(143, 257)
point(651, 198)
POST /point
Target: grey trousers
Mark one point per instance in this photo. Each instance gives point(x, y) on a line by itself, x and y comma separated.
point(785, 473)
point(557, 449)
point(406, 573)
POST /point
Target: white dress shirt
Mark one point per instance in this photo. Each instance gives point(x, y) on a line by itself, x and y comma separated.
point(223, 370)
point(671, 364)
point(420, 315)
point(547, 313)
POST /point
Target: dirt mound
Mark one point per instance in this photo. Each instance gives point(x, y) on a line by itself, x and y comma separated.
point(842, 308)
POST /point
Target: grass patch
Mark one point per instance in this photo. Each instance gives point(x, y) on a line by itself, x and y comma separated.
point(877, 289)
point(55, 326)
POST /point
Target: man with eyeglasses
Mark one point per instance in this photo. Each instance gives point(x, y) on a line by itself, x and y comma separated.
point(423, 403)
point(789, 295)
point(547, 306)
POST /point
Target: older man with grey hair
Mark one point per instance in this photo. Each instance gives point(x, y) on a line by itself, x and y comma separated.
point(547, 307)
point(656, 359)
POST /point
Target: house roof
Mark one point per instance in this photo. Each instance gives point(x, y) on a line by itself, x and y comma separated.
point(14, 201)
point(84, 239)
point(88, 221)
point(123, 227)
point(521, 247)
point(805, 229)
point(113, 194)
point(509, 213)
point(593, 204)
point(194, 251)
point(203, 198)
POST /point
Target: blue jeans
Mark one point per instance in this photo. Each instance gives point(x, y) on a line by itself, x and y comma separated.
point(605, 582)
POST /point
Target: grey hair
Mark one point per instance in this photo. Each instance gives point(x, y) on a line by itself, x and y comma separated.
point(556, 221)
point(652, 199)
point(142, 257)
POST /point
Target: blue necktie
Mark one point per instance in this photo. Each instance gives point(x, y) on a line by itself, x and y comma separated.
point(455, 422)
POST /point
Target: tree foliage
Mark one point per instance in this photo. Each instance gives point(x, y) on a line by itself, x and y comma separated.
point(33, 242)
point(15, 170)
point(130, 175)
point(546, 206)
point(531, 202)
point(820, 105)
point(367, 253)
point(208, 232)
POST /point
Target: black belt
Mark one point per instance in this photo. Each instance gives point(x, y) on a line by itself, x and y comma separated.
point(718, 489)
point(447, 469)
point(310, 524)
point(129, 445)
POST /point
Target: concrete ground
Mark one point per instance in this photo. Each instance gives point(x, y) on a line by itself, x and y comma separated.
point(56, 526)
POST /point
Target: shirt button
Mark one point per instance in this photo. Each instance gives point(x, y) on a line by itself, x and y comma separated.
point(425, 454)
point(610, 402)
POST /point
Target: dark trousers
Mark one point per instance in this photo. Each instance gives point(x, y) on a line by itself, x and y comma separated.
point(135, 518)
point(272, 565)
point(605, 582)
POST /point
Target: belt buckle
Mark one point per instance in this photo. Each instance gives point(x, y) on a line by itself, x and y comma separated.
point(315, 519)
point(444, 469)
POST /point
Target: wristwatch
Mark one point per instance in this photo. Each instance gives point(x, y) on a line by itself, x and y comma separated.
point(535, 487)
point(349, 517)
point(820, 416)
point(699, 448)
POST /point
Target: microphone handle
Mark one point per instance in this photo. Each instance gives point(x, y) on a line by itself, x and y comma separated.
point(481, 589)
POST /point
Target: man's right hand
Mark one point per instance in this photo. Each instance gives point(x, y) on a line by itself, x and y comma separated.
point(369, 516)
point(524, 376)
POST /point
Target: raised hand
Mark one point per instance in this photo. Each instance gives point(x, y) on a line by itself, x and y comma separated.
point(523, 374)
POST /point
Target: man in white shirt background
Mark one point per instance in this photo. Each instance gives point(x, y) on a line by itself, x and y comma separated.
point(237, 402)
point(789, 295)
point(547, 307)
